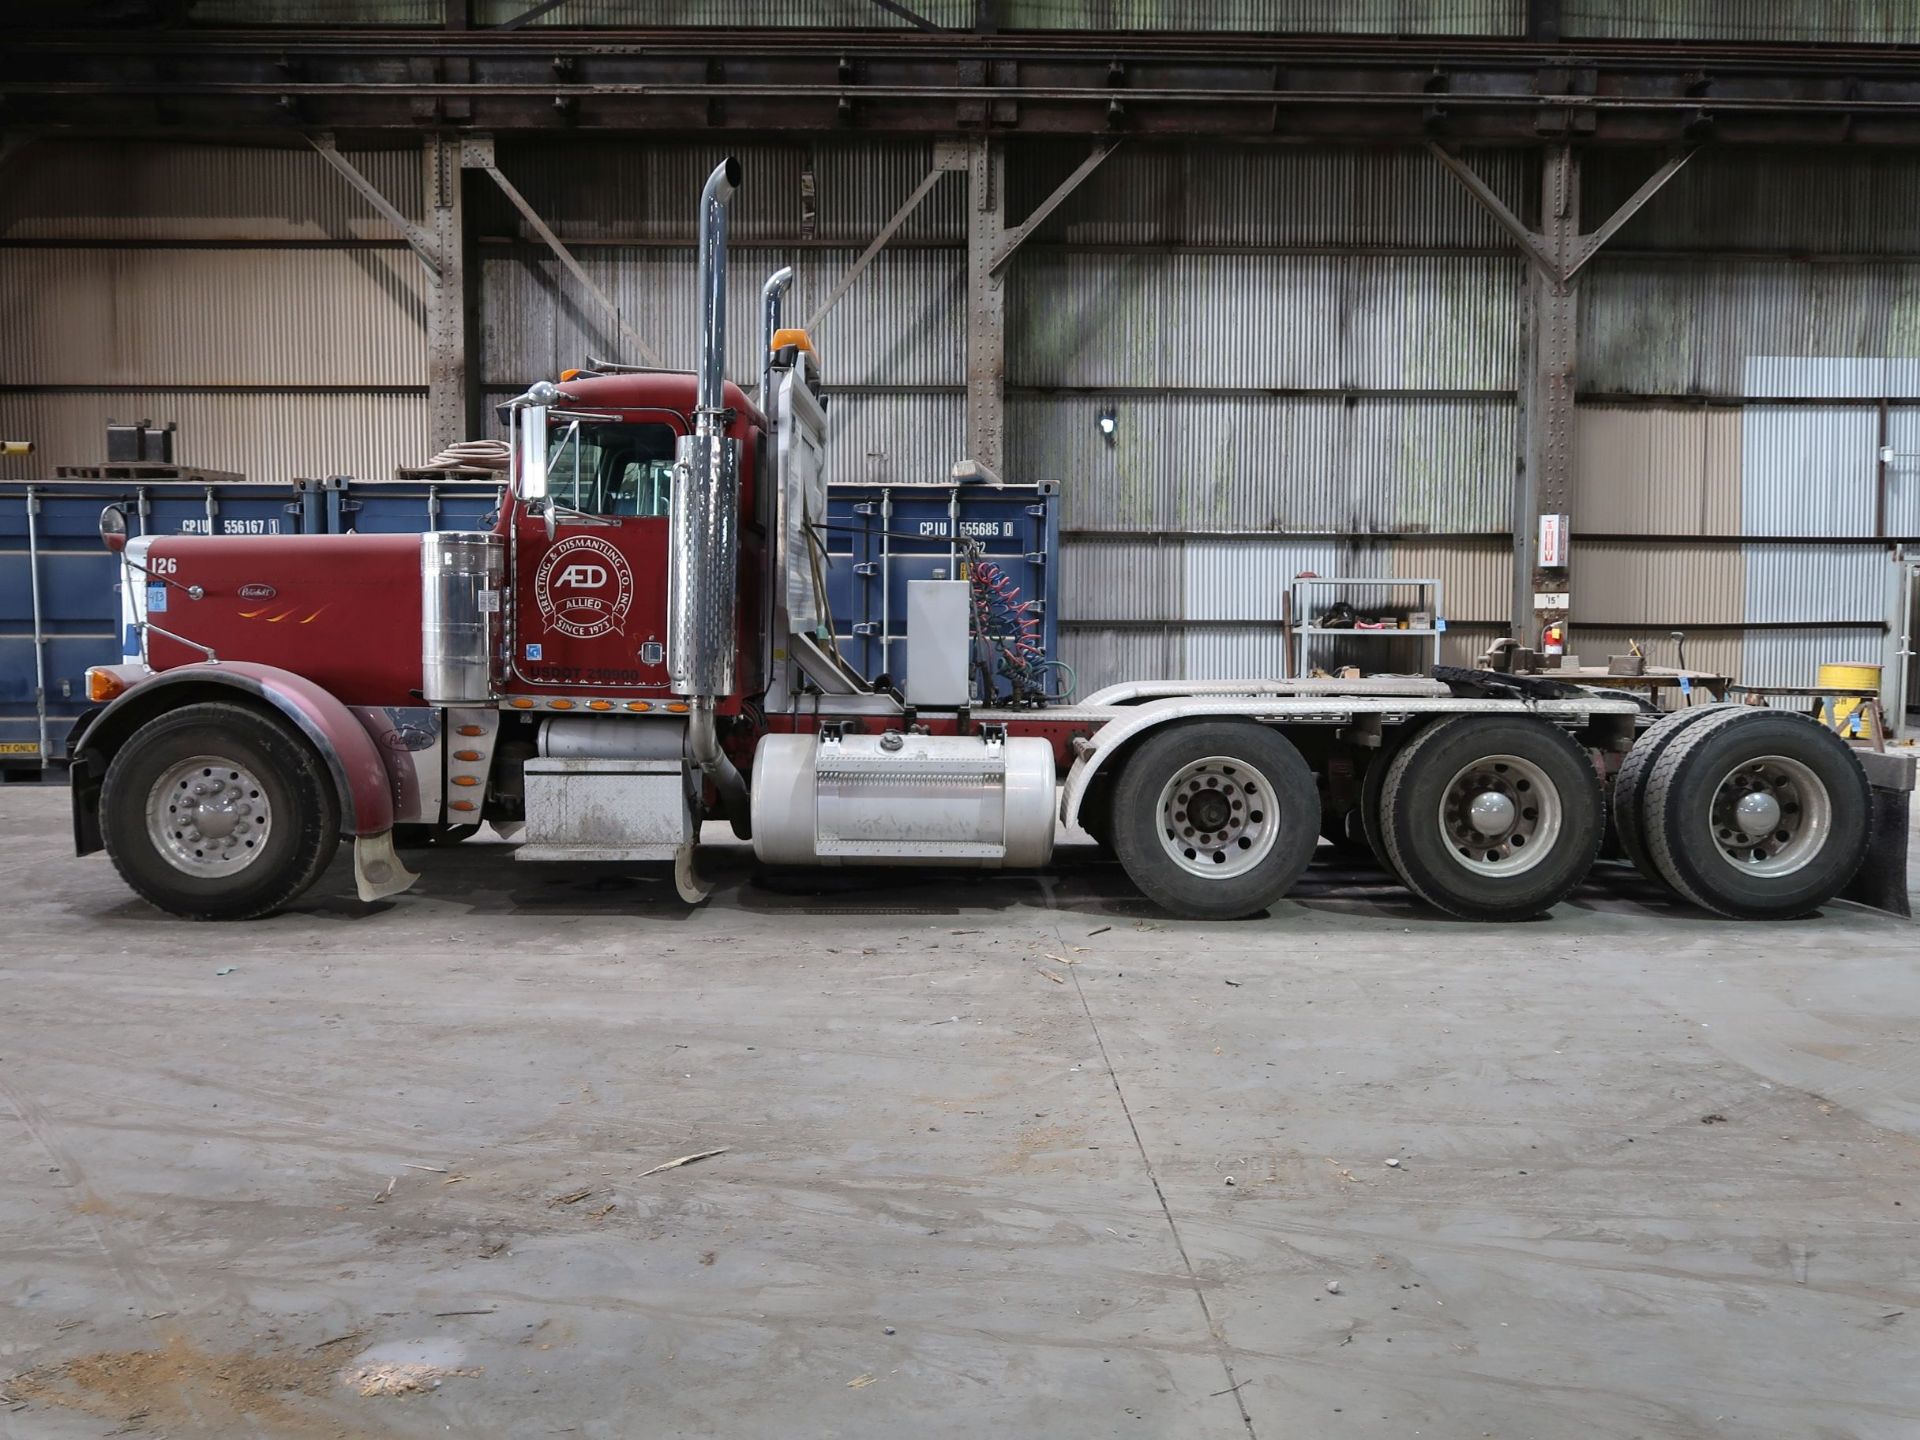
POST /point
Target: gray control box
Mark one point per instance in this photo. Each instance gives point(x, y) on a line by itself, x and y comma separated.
point(938, 642)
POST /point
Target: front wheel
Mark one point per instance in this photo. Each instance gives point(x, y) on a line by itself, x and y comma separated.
point(1215, 821)
point(218, 812)
point(1492, 818)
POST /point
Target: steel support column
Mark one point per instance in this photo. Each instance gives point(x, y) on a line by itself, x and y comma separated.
point(986, 305)
point(451, 391)
point(440, 244)
point(1547, 481)
point(1555, 252)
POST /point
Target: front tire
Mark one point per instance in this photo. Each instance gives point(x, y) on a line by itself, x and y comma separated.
point(218, 812)
point(1492, 818)
point(1215, 821)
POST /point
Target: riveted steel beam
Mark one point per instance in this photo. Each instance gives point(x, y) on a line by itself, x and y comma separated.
point(1587, 246)
point(476, 153)
point(887, 231)
point(1018, 235)
point(1461, 90)
point(419, 240)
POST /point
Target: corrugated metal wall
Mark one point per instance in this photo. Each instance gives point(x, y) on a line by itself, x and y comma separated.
point(1312, 355)
point(1744, 340)
point(1295, 342)
point(245, 292)
point(1787, 21)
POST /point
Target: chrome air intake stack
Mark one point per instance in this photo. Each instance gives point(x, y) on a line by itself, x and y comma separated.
point(703, 546)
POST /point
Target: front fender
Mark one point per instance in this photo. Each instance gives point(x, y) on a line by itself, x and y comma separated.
point(358, 768)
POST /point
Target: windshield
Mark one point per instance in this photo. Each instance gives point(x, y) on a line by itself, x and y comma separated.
point(612, 469)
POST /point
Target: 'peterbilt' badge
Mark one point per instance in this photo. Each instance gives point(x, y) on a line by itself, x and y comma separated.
point(257, 591)
point(584, 588)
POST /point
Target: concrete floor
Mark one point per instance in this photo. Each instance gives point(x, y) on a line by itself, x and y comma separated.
point(1005, 1156)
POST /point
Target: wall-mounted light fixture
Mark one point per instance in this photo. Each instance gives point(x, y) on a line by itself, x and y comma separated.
point(1109, 422)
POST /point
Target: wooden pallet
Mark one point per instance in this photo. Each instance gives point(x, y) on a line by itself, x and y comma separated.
point(146, 472)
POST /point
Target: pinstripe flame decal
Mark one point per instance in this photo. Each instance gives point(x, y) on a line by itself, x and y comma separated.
point(283, 615)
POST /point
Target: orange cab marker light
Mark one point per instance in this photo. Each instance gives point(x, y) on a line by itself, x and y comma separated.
point(560, 704)
point(466, 780)
point(468, 755)
point(599, 705)
point(678, 707)
point(472, 730)
point(639, 705)
point(520, 702)
point(102, 685)
point(465, 805)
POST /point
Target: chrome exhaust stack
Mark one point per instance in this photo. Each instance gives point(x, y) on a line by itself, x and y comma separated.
point(703, 530)
point(771, 294)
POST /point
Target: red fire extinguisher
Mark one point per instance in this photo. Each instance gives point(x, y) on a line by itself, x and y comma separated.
point(1553, 639)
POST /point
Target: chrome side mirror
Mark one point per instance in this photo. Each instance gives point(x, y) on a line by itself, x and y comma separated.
point(530, 440)
point(113, 528)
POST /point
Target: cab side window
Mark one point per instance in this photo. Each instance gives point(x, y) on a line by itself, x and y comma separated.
point(612, 469)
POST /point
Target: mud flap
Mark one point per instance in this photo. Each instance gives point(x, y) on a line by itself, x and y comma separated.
point(693, 890)
point(377, 871)
point(1882, 881)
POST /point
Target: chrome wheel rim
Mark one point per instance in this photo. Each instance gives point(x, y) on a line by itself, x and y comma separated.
point(1218, 817)
point(1771, 815)
point(1500, 815)
point(208, 817)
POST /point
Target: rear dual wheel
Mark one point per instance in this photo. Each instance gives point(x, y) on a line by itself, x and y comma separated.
point(1491, 817)
point(1754, 814)
point(1628, 806)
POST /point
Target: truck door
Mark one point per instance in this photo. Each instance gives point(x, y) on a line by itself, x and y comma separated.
point(590, 600)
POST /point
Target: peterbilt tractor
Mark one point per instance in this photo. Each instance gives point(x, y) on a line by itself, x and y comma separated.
point(640, 645)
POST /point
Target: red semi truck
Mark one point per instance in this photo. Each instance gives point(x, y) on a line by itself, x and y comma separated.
point(640, 644)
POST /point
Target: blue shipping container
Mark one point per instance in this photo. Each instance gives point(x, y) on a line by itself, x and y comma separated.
point(50, 543)
point(881, 536)
point(50, 536)
point(878, 538)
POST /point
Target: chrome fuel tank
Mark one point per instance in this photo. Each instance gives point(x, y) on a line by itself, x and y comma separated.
point(897, 799)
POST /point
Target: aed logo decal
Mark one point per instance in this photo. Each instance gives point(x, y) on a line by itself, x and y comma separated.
point(584, 588)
